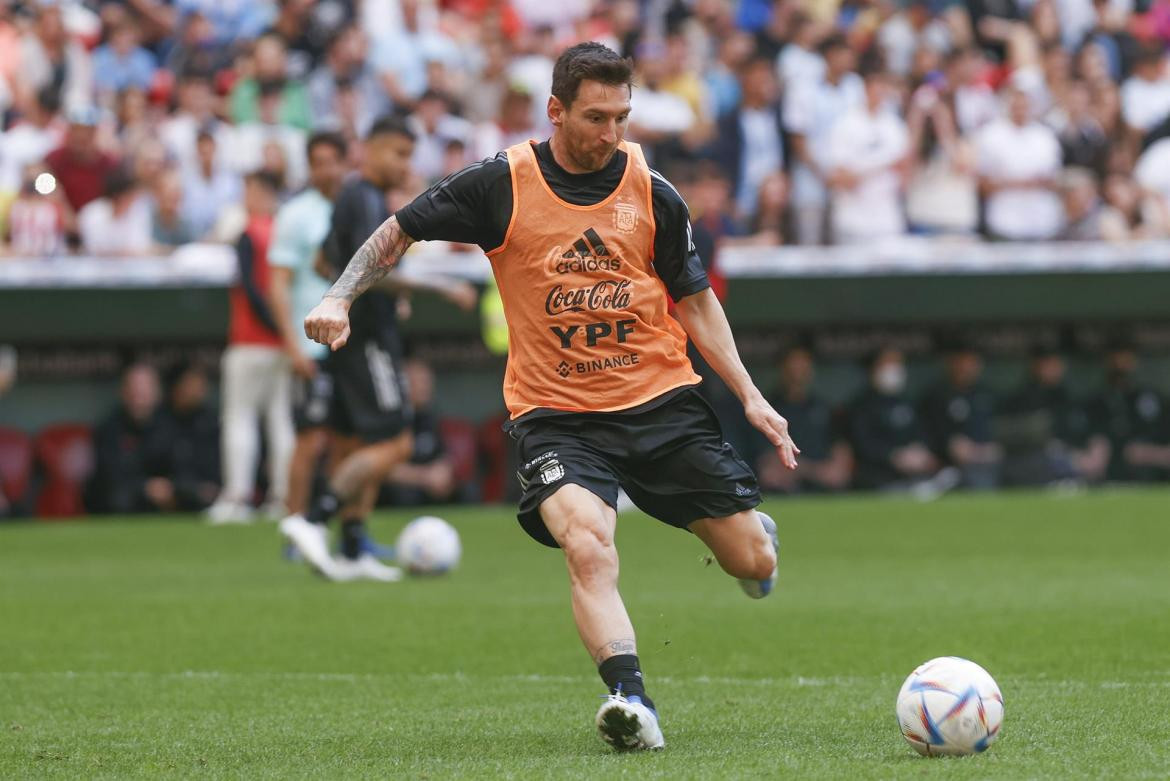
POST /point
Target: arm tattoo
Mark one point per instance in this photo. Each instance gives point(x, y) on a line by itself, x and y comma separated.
point(615, 648)
point(372, 261)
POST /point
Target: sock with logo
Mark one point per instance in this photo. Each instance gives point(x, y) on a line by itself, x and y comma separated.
point(323, 507)
point(353, 535)
point(622, 674)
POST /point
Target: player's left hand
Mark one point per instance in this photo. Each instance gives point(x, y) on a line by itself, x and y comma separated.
point(774, 427)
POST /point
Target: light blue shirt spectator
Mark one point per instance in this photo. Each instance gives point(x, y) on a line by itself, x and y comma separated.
point(232, 19)
point(205, 198)
point(301, 226)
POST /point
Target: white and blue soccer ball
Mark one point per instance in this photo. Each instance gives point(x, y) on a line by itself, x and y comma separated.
point(428, 546)
point(950, 707)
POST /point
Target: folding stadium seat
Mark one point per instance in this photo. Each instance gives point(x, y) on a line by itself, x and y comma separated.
point(459, 442)
point(493, 451)
point(16, 458)
point(66, 454)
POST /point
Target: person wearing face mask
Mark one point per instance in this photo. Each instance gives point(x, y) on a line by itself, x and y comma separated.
point(888, 439)
point(1135, 420)
point(958, 415)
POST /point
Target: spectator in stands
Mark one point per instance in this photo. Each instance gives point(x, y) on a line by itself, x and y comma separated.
point(811, 110)
point(137, 123)
point(825, 461)
point(1134, 418)
point(255, 374)
point(1127, 214)
point(49, 57)
point(959, 417)
point(209, 188)
point(401, 55)
point(1082, 206)
point(435, 126)
point(751, 142)
point(866, 159)
point(29, 140)
point(269, 143)
point(428, 476)
point(1047, 435)
point(768, 226)
point(170, 226)
point(121, 62)
point(229, 22)
point(194, 113)
point(196, 48)
point(35, 224)
point(346, 67)
point(268, 76)
point(887, 436)
point(1018, 163)
point(1145, 95)
point(1153, 175)
point(307, 28)
point(799, 62)
point(127, 447)
point(908, 31)
point(512, 125)
point(119, 223)
point(80, 166)
point(659, 118)
point(1083, 140)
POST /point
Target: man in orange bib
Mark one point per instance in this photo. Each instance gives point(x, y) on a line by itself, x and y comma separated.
point(586, 242)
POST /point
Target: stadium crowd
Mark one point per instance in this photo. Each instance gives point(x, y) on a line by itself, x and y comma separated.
point(804, 122)
point(133, 127)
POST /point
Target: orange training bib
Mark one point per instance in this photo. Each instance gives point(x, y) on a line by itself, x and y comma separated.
point(587, 319)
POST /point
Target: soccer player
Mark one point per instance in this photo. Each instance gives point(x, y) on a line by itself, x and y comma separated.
point(586, 241)
point(301, 227)
point(369, 411)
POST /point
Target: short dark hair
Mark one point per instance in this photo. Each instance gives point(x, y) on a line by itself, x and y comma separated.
point(119, 181)
point(390, 125)
point(589, 61)
point(266, 179)
point(326, 138)
point(832, 42)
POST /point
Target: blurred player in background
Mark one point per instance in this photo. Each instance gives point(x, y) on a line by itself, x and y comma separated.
point(301, 227)
point(255, 372)
point(370, 411)
point(585, 240)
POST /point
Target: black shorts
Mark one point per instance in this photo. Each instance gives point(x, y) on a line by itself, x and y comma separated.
point(312, 399)
point(671, 460)
point(369, 391)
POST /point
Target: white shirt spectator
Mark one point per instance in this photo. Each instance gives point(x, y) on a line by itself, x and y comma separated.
point(797, 65)
point(1007, 151)
point(868, 145)
point(105, 233)
point(23, 145)
point(763, 154)
point(178, 134)
point(660, 112)
point(811, 110)
point(430, 149)
point(204, 198)
point(1145, 103)
point(1152, 171)
point(975, 106)
point(248, 141)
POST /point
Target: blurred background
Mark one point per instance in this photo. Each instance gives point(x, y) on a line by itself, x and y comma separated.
point(941, 229)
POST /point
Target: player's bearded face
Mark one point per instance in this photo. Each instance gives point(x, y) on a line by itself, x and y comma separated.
point(595, 123)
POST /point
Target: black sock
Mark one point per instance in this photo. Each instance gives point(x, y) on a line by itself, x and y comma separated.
point(622, 673)
point(353, 535)
point(323, 507)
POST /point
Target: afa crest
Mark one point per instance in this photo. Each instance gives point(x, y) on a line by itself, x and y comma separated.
point(625, 217)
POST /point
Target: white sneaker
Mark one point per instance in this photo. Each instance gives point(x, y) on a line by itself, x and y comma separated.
point(224, 512)
point(628, 725)
point(311, 540)
point(272, 510)
point(364, 567)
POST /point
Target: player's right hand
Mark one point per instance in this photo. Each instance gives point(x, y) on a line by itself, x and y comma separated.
point(328, 323)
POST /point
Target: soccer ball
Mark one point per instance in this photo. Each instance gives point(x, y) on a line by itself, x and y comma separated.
point(428, 546)
point(949, 706)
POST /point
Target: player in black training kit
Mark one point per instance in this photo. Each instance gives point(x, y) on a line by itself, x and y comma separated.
point(369, 409)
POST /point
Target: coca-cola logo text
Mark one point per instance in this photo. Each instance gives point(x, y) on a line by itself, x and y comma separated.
point(605, 294)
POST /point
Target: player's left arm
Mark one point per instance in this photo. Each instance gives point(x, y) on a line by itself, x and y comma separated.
point(705, 322)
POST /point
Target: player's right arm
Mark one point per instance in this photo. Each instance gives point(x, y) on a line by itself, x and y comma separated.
point(328, 323)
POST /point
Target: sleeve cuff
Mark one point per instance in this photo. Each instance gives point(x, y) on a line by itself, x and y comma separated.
point(697, 285)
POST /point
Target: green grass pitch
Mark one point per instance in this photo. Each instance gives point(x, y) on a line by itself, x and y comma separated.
point(161, 647)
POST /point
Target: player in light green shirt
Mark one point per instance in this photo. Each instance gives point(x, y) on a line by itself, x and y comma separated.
point(296, 287)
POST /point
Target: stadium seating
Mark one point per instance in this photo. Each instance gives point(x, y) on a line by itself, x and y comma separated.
point(16, 458)
point(65, 452)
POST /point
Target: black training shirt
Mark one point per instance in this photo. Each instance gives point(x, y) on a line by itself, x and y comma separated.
point(358, 211)
point(474, 206)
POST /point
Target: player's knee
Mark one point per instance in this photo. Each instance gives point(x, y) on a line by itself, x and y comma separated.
point(590, 554)
point(763, 561)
